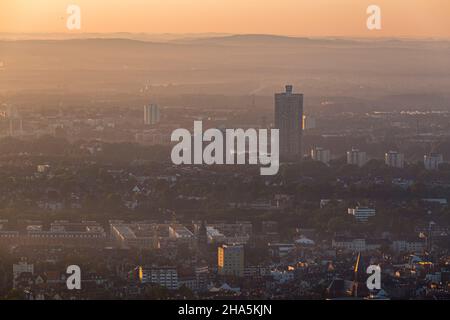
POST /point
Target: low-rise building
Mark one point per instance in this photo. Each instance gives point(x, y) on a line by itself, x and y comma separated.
point(320, 154)
point(180, 233)
point(362, 214)
point(394, 159)
point(163, 276)
point(432, 161)
point(415, 245)
point(357, 244)
point(140, 236)
point(356, 157)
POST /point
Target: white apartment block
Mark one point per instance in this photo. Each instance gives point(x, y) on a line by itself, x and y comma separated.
point(355, 245)
point(416, 246)
point(362, 214)
point(394, 159)
point(356, 157)
point(164, 276)
point(320, 154)
point(433, 161)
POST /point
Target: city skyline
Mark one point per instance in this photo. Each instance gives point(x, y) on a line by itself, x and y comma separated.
point(242, 150)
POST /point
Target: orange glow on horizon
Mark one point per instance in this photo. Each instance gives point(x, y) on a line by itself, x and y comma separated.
point(408, 18)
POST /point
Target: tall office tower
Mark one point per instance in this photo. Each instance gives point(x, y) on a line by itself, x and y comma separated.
point(230, 260)
point(394, 159)
point(289, 120)
point(432, 161)
point(320, 154)
point(151, 114)
point(356, 157)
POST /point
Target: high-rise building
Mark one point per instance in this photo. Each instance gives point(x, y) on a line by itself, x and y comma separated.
point(230, 260)
point(289, 120)
point(394, 159)
point(356, 157)
point(320, 154)
point(151, 114)
point(309, 122)
point(432, 161)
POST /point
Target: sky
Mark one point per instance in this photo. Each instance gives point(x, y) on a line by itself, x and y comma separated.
point(313, 18)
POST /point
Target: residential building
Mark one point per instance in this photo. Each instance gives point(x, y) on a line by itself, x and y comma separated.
point(21, 267)
point(362, 214)
point(432, 161)
point(356, 157)
point(139, 236)
point(230, 260)
point(415, 245)
point(394, 159)
point(151, 114)
point(164, 276)
point(309, 122)
point(357, 244)
point(320, 154)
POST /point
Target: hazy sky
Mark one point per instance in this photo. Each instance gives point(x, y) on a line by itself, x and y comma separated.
point(411, 18)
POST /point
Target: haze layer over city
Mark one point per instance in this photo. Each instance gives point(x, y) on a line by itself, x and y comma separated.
point(88, 180)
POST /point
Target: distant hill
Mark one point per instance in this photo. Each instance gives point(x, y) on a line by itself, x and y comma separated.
point(226, 64)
